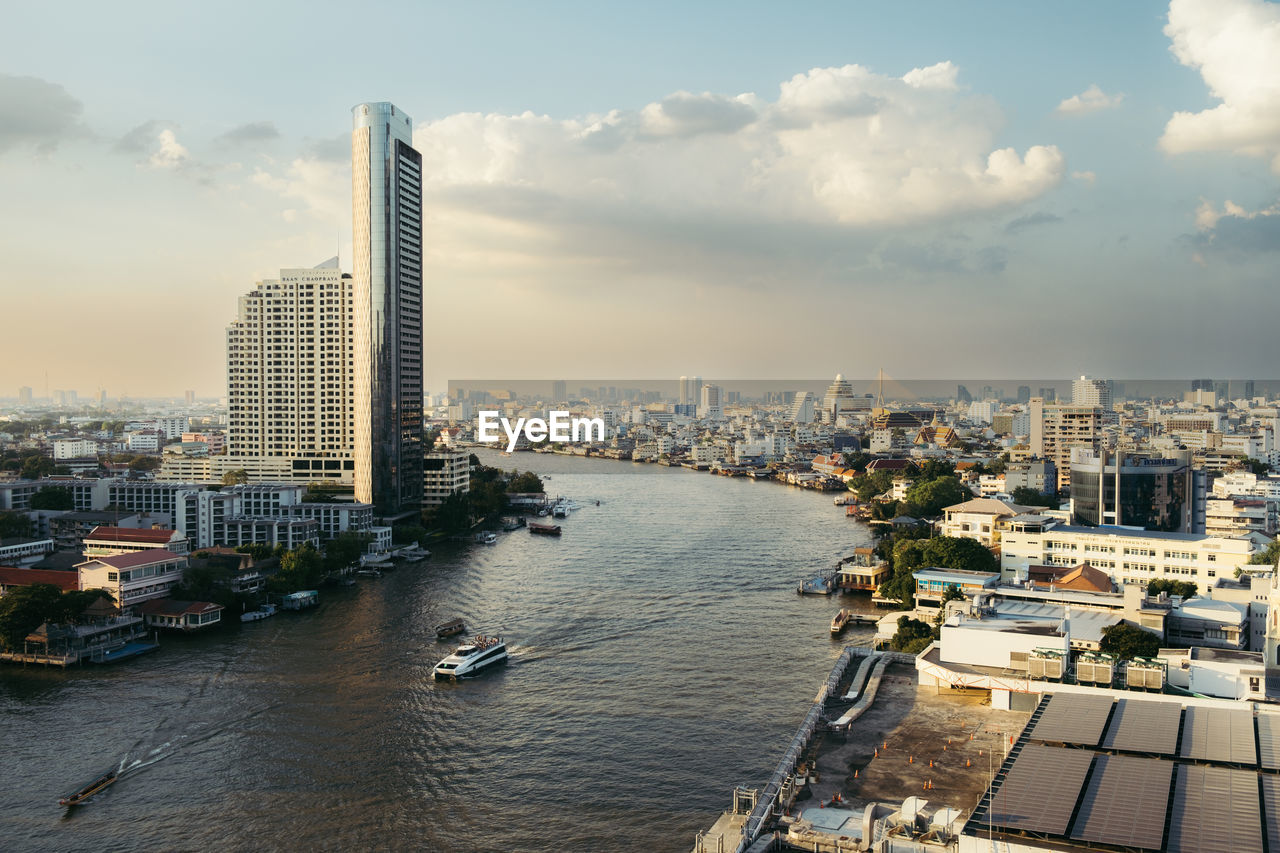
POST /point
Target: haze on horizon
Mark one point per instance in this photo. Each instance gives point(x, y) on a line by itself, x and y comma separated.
point(725, 190)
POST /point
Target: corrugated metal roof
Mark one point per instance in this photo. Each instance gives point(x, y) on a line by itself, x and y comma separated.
point(1269, 743)
point(1125, 802)
point(1271, 807)
point(1139, 726)
point(1215, 809)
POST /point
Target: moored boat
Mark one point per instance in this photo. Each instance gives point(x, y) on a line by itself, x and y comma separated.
point(840, 621)
point(450, 628)
point(544, 529)
point(89, 790)
point(261, 613)
point(470, 658)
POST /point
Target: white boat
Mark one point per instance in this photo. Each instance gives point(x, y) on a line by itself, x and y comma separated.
point(471, 657)
point(560, 511)
point(487, 537)
point(369, 573)
point(261, 613)
point(414, 553)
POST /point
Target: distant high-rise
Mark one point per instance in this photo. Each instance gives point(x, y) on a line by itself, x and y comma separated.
point(711, 406)
point(1248, 389)
point(191, 397)
point(1024, 394)
point(290, 354)
point(24, 394)
point(386, 176)
point(559, 391)
point(963, 395)
point(1091, 392)
point(803, 410)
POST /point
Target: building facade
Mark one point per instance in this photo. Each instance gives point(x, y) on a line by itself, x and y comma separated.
point(1130, 489)
point(290, 391)
point(387, 209)
point(1056, 430)
point(445, 473)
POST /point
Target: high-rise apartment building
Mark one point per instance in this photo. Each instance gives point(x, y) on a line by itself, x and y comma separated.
point(1091, 392)
point(290, 353)
point(711, 405)
point(1056, 429)
point(386, 172)
point(24, 394)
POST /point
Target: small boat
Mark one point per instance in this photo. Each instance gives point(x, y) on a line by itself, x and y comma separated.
point(560, 511)
point(261, 613)
point(450, 628)
point(840, 621)
point(369, 573)
point(544, 529)
point(414, 553)
point(89, 790)
point(470, 658)
point(487, 537)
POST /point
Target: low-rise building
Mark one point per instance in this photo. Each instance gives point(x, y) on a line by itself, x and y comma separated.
point(180, 615)
point(445, 473)
point(24, 551)
point(932, 584)
point(13, 578)
point(103, 541)
point(134, 578)
point(979, 519)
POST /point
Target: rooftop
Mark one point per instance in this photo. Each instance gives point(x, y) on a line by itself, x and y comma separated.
point(130, 534)
point(135, 559)
point(66, 581)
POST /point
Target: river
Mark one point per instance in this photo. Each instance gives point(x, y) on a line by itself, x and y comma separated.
point(659, 656)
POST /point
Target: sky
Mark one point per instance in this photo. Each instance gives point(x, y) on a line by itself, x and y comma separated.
point(727, 190)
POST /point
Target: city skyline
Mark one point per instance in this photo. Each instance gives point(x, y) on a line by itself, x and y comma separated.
point(1108, 185)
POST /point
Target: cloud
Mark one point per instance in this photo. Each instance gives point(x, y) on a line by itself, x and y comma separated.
point(248, 134)
point(169, 154)
point(139, 140)
point(838, 145)
point(1089, 101)
point(1235, 45)
point(1030, 220)
point(336, 149)
point(1088, 178)
point(37, 113)
point(1235, 231)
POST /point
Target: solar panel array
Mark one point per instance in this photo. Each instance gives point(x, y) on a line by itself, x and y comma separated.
point(1139, 726)
point(1073, 718)
point(1219, 734)
point(1271, 804)
point(1215, 809)
point(1269, 742)
point(1040, 791)
point(1125, 802)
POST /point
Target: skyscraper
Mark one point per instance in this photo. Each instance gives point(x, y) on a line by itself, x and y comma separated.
point(289, 387)
point(386, 177)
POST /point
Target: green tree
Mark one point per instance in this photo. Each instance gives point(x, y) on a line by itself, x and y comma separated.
point(343, 550)
point(53, 497)
point(144, 463)
point(1267, 556)
point(1186, 589)
point(35, 466)
point(526, 483)
point(953, 552)
point(257, 550)
point(232, 478)
point(453, 514)
point(408, 534)
point(1254, 466)
point(301, 568)
point(934, 469)
point(15, 524)
point(1026, 496)
point(488, 497)
point(927, 499)
point(24, 608)
point(1127, 641)
point(913, 636)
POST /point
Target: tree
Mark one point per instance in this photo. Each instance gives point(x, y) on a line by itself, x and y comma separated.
point(35, 466)
point(951, 593)
point(232, 478)
point(1186, 589)
point(953, 552)
point(934, 469)
point(343, 550)
point(15, 524)
point(144, 463)
point(912, 636)
point(488, 497)
point(53, 497)
point(927, 499)
point(1267, 556)
point(24, 608)
point(1254, 466)
point(301, 568)
point(408, 534)
point(1127, 641)
point(453, 514)
point(526, 483)
point(1027, 496)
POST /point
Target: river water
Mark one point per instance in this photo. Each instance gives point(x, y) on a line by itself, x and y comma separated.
point(659, 656)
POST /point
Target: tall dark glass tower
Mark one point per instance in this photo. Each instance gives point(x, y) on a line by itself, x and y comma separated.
point(386, 178)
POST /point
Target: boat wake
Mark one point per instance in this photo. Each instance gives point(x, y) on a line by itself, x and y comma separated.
point(138, 758)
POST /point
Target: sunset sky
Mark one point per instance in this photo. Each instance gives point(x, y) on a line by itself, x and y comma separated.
point(714, 189)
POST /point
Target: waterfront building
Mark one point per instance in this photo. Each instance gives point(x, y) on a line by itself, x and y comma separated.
point(979, 519)
point(12, 577)
point(1131, 489)
point(1128, 556)
point(103, 541)
point(445, 473)
point(133, 578)
point(183, 616)
point(1056, 429)
point(290, 355)
point(387, 210)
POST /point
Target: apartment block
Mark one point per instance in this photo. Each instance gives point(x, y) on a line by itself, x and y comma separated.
point(1057, 429)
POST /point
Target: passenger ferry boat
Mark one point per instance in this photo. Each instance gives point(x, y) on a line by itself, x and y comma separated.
point(470, 658)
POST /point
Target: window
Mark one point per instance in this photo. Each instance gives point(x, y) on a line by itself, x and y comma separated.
point(1253, 684)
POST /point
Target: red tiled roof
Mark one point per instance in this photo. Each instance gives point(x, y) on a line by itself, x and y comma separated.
point(67, 581)
point(130, 534)
point(137, 558)
point(173, 607)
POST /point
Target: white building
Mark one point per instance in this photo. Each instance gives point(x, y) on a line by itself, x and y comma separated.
point(1128, 556)
point(74, 448)
point(445, 473)
point(290, 357)
point(711, 407)
point(135, 577)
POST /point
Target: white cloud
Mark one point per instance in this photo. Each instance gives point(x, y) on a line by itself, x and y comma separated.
point(1235, 45)
point(1235, 231)
point(38, 113)
point(1089, 101)
point(1087, 178)
point(838, 145)
point(170, 154)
